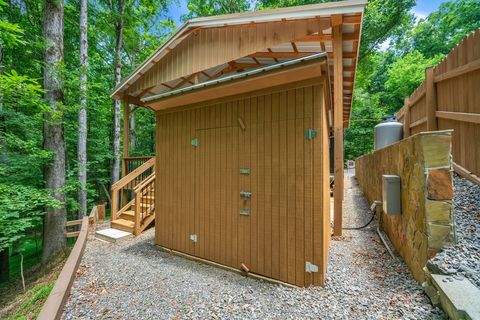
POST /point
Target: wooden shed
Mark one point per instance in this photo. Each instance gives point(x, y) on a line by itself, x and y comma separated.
point(245, 104)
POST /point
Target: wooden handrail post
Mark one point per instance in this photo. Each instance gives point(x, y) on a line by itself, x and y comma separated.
point(126, 129)
point(338, 123)
point(406, 118)
point(431, 99)
point(114, 204)
point(138, 207)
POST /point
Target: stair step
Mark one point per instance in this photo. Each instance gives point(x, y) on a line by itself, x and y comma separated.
point(128, 215)
point(122, 224)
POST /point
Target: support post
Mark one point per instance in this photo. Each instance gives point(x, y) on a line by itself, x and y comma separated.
point(431, 99)
point(126, 131)
point(406, 118)
point(338, 123)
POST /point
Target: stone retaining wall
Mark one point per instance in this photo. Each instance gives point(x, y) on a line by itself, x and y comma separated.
point(423, 162)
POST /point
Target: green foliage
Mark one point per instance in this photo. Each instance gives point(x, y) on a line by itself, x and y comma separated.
point(406, 74)
point(204, 8)
point(21, 208)
point(442, 29)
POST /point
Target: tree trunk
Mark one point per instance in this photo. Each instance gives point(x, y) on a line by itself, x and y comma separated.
point(132, 139)
point(116, 103)
point(4, 265)
point(82, 112)
point(54, 235)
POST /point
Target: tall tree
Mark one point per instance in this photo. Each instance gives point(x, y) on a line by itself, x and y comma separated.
point(119, 11)
point(82, 112)
point(54, 239)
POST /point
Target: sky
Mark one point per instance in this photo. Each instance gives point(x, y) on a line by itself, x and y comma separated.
point(421, 10)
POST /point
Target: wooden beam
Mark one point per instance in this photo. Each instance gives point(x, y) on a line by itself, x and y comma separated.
point(346, 55)
point(356, 19)
point(285, 55)
point(294, 46)
point(275, 59)
point(145, 91)
point(466, 68)
point(206, 74)
point(185, 80)
point(327, 37)
point(291, 55)
point(406, 118)
point(337, 56)
point(264, 80)
point(459, 116)
point(431, 99)
point(345, 69)
point(167, 86)
point(126, 128)
point(346, 79)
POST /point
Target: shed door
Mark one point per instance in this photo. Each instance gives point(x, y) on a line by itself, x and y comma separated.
point(216, 194)
point(275, 238)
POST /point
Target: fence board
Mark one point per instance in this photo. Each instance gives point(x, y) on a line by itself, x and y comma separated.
point(457, 102)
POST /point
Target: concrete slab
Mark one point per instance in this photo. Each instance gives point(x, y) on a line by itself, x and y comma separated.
point(113, 235)
point(460, 299)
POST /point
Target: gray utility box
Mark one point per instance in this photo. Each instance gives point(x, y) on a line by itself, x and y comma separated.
point(392, 195)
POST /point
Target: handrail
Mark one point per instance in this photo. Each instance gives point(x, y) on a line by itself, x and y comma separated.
point(129, 180)
point(142, 184)
point(141, 212)
point(137, 158)
point(132, 175)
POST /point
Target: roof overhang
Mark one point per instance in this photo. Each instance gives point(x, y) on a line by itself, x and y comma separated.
point(209, 50)
point(289, 13)
point(247, 82)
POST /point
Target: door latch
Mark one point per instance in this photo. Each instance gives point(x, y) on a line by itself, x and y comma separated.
point(245, 195)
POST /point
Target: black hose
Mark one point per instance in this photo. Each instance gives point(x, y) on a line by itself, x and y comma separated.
point(359, 228)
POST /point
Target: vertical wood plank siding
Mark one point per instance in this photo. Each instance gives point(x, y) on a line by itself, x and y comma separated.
point(198, 188)
point(457, 83)
point(223, 44)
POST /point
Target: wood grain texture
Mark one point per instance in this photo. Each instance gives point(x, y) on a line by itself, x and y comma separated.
point(198, 188)
point(449, 99)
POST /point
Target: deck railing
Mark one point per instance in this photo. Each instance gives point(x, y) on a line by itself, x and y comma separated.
point(144, 203)
point(131, 163)
point(123, 191)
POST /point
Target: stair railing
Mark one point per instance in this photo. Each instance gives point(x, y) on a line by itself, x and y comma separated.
point(123, 191)
point(144, 203)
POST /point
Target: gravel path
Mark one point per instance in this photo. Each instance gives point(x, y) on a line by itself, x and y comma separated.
point(462, 259)
point(135, 280)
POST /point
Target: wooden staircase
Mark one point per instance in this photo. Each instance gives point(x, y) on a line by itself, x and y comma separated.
point(133, 199)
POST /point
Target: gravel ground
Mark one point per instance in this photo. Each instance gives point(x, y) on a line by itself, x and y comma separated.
point(462, 259)
point(135, 280)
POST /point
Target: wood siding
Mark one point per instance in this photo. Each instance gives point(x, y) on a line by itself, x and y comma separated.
point(456, 102)
point(211, 47)
point(198, 188)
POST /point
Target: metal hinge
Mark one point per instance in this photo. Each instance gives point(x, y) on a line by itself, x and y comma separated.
point(245, 212)
point(244, 171)
point(310, 267)
point(193, 237)
point(311, 134)
point(194, 142)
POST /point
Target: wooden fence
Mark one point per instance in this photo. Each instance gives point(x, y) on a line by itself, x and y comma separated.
point(449, 98)
point(53, 307)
